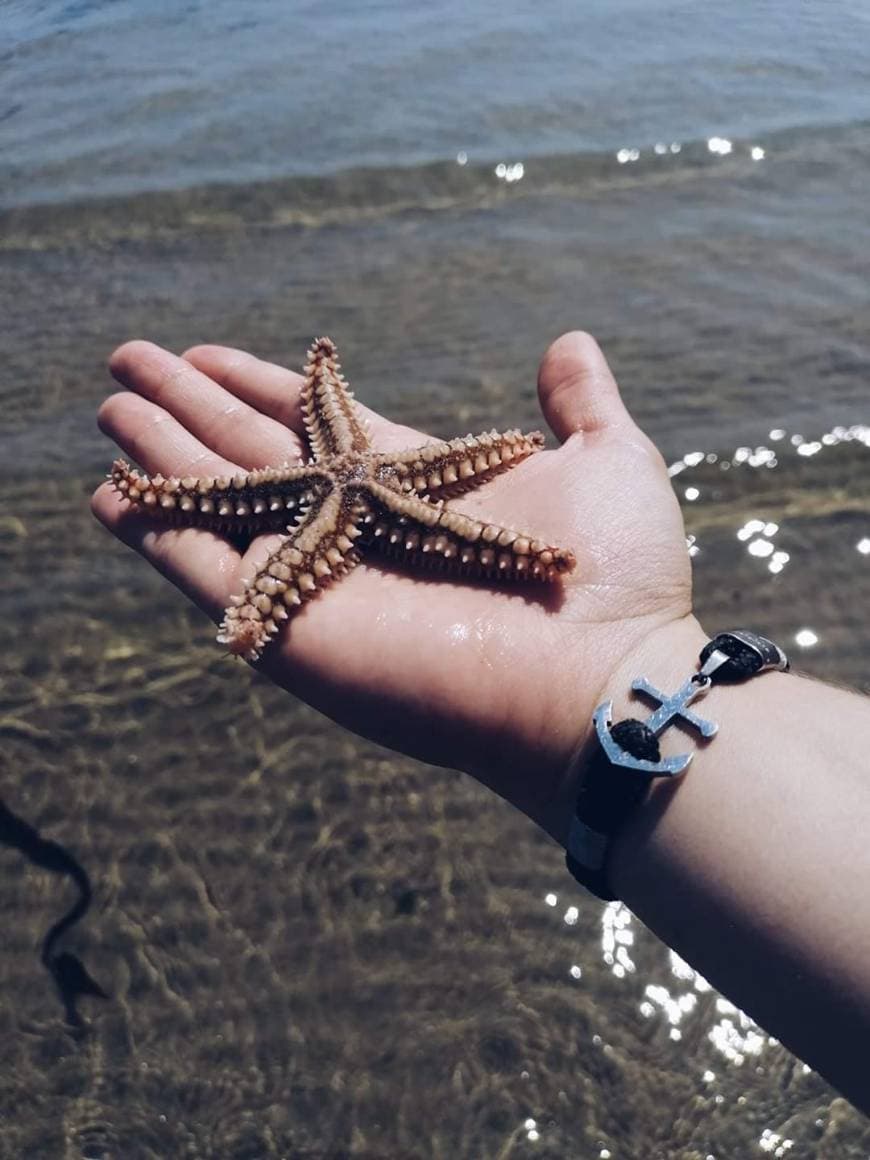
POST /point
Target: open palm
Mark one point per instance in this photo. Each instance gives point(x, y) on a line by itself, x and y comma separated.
point(498, 681)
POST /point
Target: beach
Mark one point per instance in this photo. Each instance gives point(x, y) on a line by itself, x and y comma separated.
point(313, 947)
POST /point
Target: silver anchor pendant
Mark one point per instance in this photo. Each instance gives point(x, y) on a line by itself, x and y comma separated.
point(675, 706)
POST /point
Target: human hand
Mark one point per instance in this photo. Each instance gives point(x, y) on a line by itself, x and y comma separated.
point(498, 681)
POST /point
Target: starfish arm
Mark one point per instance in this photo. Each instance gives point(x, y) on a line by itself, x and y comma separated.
point(261, 501)
point(313, 555)
point(442, 470)
point(328, 409)
point(404, 525)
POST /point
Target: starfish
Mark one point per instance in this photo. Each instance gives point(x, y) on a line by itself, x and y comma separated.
point(348, 498)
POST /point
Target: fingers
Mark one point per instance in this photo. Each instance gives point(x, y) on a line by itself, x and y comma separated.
point(216, 417)
point(275, 391)
point(198, 562)
point(155, 440)
point(577, 389)
point(271, 389)
point(207, 414)
point(203, 565)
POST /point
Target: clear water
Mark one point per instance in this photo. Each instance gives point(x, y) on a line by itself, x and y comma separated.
point(314, 948)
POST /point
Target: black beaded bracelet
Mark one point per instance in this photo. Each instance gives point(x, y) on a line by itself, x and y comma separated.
point(620, 775)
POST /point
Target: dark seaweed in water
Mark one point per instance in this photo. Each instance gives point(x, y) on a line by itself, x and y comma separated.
point(67, 969)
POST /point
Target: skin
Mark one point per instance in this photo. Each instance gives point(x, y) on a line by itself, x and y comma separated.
point(438, 669)
point(754, 866)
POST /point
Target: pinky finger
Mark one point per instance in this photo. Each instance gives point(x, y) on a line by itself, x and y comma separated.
point(198, 562)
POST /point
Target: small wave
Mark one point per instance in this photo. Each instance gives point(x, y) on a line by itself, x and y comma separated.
point(353, 195)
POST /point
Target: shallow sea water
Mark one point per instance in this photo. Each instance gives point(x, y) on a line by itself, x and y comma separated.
point(314, 948)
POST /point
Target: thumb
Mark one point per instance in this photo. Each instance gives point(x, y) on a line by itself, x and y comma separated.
point(577, 389)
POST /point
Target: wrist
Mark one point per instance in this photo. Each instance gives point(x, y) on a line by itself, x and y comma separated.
point(665, 655)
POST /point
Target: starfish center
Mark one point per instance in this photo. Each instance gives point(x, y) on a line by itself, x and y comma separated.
point(350, 469)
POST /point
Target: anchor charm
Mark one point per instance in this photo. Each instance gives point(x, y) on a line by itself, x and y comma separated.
point(607, 796)
point(769, 656)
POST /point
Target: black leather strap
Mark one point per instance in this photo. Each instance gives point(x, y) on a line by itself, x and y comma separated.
point(607, 797)
point(610, 792)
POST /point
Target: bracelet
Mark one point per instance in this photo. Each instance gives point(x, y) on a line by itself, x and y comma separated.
point(629, 758)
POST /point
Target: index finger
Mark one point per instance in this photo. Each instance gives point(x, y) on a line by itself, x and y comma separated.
point(275, 391)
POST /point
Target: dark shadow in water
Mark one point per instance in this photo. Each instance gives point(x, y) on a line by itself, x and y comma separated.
point(67, 970)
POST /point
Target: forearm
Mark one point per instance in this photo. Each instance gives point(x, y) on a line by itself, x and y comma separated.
point(754, 866)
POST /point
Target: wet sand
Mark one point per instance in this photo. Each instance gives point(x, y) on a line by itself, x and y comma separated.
point(314, 948)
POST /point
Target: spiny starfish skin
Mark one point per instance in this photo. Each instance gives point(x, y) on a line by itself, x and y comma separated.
point(346, 499)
